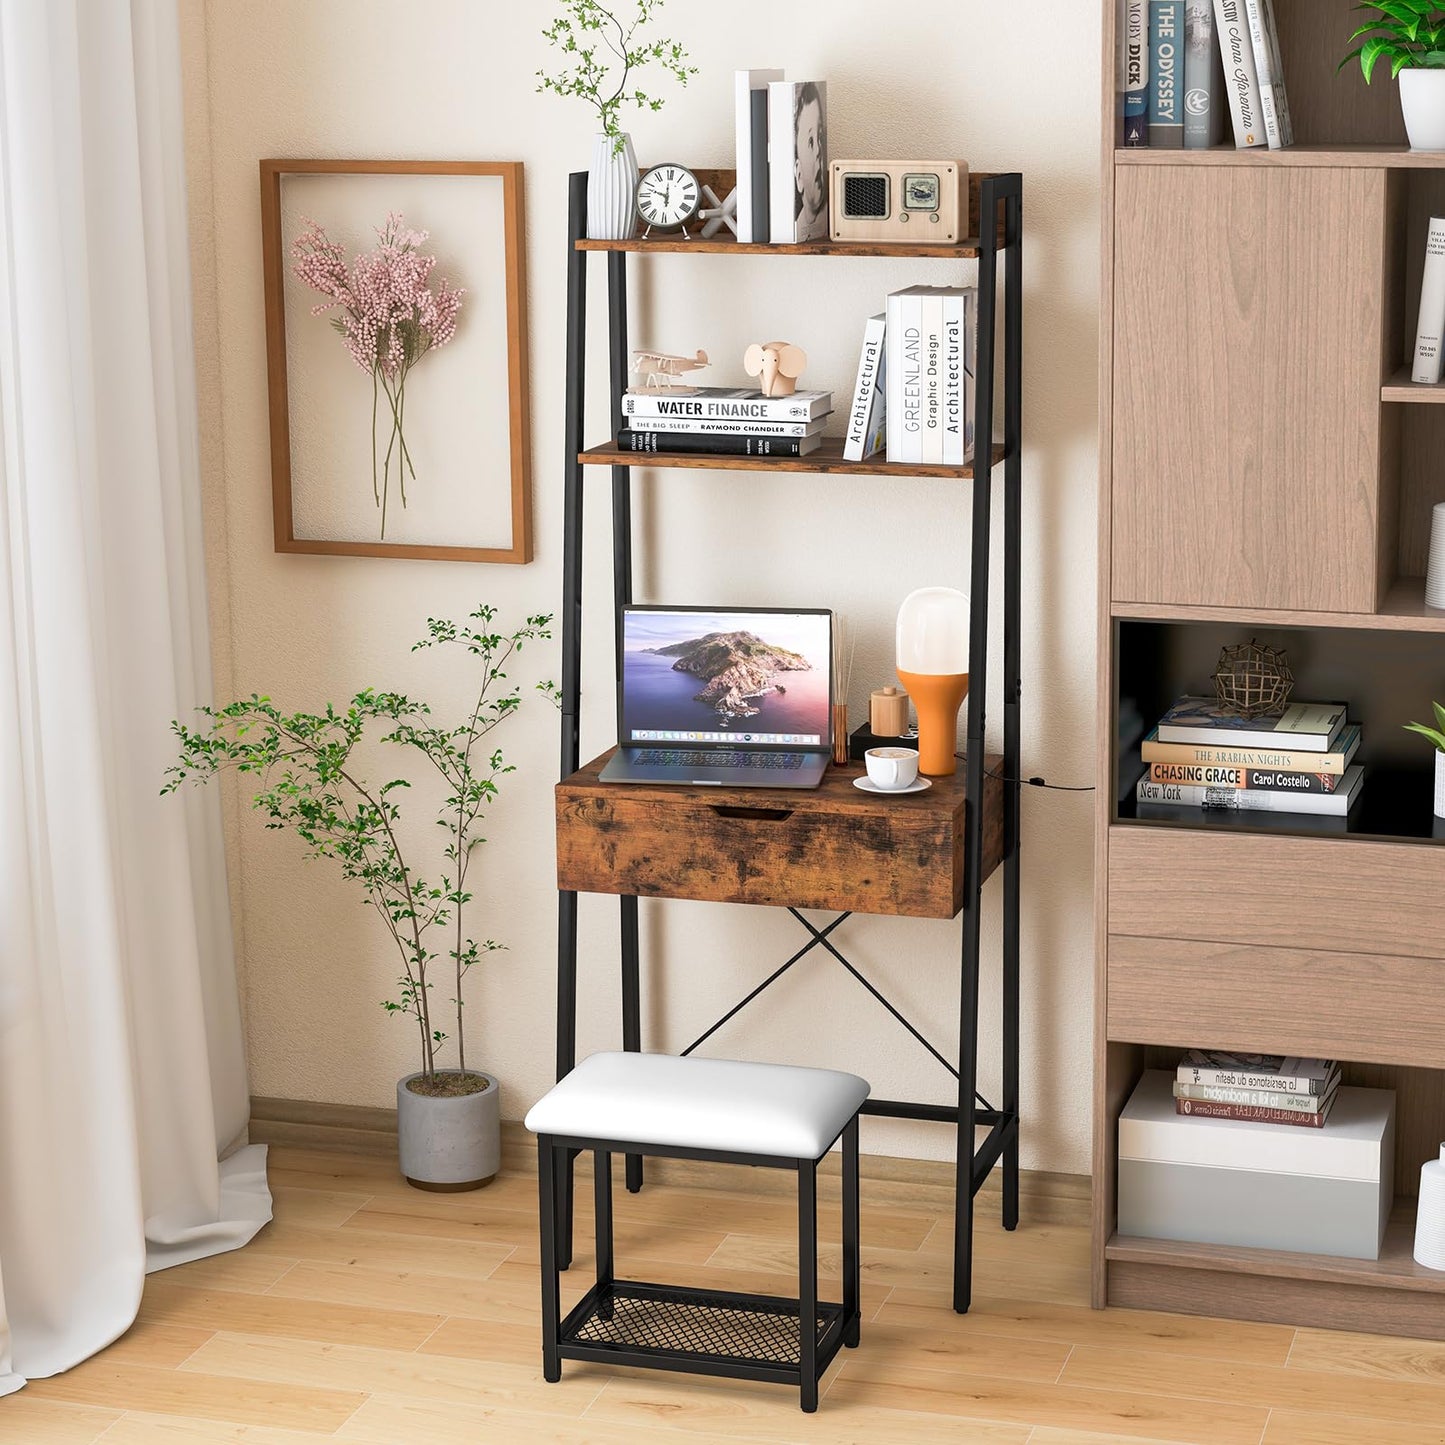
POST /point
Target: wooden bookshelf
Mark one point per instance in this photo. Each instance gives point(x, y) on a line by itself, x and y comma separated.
point(827, 459)
point(727, 245)
point(1267, 469)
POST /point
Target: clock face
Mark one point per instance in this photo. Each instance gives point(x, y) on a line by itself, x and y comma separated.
point(668, 197)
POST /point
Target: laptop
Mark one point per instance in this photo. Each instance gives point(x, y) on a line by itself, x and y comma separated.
point(728, 697)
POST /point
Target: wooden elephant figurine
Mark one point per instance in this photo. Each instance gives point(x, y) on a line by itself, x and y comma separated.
point(779, 364)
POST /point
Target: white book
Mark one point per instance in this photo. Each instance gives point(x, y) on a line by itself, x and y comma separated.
point(957, 376)
point(729, 403)
point(1348, 1147)
point(1256, 800)
point(866, 415)
point(798, 161)
point(1241, 78)
point(700, 426)
point(745, 82)
point(1274, 104)
point(1430, 330)
point(932, 328)
point(904, 377)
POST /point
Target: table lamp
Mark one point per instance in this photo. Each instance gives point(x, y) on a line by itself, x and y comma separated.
point(933, 667)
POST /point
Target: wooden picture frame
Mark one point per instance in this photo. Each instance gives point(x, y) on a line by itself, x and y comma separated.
point(275, 266)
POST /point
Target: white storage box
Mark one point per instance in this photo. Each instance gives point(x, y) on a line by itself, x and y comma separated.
point(1266, 1186)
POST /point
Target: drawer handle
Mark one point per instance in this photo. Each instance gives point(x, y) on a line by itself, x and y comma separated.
point(753, 815)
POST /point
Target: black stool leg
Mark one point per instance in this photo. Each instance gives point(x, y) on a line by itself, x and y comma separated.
point(602, 1176)
point(551, 1285)
point(852, 1259)
point(808, 1283)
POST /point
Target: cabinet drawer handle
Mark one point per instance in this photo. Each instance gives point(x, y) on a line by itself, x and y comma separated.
point(752, 815)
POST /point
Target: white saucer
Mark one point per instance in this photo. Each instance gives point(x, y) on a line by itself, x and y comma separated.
point(919, 785)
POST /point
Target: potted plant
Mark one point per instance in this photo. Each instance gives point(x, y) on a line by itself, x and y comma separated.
point(308, 782)
point(1410, 34)
point(1436, 736)
point(602, 51)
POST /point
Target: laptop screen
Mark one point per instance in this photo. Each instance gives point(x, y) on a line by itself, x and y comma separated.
point(742, 676)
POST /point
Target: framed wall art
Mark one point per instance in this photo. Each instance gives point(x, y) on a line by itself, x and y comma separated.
point(396, 347)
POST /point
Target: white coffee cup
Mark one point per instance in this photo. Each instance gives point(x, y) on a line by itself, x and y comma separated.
point(892, 769)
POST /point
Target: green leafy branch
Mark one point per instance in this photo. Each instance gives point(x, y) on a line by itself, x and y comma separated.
point(1409, 33)
point(1435, 734)
point(602, 52)
point(307, 784)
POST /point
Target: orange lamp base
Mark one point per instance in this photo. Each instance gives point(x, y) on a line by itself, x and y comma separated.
point(937, 698)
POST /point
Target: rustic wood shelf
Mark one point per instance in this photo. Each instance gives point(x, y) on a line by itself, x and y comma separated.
point(834, 847)
point(1401, 388)
point(827, 459)
point(728, 246)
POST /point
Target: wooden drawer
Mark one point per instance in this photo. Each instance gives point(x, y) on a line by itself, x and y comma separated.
point(834, 847)
point(1315, 894)
point(1365, 1006)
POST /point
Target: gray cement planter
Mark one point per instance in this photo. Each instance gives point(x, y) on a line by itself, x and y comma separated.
point(449, 1144)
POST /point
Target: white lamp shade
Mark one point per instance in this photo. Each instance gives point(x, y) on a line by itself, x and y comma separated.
point(933, 631)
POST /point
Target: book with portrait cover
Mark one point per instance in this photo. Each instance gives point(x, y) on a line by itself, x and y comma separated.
point(798, 161)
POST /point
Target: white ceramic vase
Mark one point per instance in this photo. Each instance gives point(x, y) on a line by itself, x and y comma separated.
point(1422, 98)
point(1430, 1215)
point(611, 190)
point(1439, 784)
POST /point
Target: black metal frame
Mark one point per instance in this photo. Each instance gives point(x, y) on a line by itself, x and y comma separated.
point(593, 1329)
point(1001, 211)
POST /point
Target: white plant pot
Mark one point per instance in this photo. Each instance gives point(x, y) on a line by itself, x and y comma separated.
point(1439, 784)
point(449, 1144)
point(611, 190)
point(1422, 98)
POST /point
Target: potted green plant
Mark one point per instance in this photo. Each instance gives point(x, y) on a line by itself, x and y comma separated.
point(1436, 735)
point(1410, 34)
point(603, 48)
point(307, 781)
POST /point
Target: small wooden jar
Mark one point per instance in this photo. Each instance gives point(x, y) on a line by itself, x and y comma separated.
point(888, 713)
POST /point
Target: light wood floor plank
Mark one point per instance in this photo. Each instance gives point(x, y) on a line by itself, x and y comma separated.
point(1046, 1435)
point(1388, 1359)
point(26, 1419)
point(257, 1314)
point(1266, 1386)
point(400, 1373)
point(1135, 1415)
point(358, 1285)
point(248, 1269)
point(473, 1259)
point(320, 1209)
point(1289, 1427)
point(1132, 1329)
point(150, 1343)
point(737, 1410)
point(141, 1429)
point(186, 1392)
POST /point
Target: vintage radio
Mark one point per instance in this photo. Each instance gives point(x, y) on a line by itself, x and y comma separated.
point(913, 202)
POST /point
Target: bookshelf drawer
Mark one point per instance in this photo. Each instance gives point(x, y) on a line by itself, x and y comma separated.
point(1185, 994)
point(1326, 894)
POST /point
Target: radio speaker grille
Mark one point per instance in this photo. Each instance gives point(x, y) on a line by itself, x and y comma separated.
point(865, 197)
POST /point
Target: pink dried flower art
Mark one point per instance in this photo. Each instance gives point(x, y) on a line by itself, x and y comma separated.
point(389, 315)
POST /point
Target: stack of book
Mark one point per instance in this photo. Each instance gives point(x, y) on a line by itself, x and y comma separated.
point(931, 345)
point(1202, 756)
point(1263, 1088)
point(1182, 63)
point(724, 421)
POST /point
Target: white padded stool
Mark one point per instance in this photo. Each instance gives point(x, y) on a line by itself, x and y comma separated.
point(767, 1115)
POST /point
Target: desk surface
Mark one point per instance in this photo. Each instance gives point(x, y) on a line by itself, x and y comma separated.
point(834, 846)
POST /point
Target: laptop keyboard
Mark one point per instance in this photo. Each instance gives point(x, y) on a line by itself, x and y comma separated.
point(677, 758)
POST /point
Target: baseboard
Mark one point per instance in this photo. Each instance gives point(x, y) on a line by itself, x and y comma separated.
point(1044, 1197)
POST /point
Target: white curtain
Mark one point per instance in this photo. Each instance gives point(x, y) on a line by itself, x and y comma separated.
point(122, 1081)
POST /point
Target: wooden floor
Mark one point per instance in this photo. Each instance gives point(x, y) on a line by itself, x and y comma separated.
point(370, 1312)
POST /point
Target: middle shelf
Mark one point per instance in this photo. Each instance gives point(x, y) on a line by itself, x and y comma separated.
point(827, 459)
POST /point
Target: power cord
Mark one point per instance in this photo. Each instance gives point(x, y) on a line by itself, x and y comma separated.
point(1032, 782)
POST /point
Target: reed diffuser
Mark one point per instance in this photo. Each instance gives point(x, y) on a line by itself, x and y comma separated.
point(844, 646)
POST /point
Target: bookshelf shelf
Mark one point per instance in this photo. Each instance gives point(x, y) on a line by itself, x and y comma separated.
point(827, 459)
point(718, 246)
point(1358, 157)
point(1404, 610)
point(1401, 388)
point(1395, 1268)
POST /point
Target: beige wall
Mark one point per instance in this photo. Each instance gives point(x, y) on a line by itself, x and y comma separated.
point(454, 78)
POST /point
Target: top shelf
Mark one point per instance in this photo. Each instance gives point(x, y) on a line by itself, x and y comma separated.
point(1359, 157)
point(728, 246)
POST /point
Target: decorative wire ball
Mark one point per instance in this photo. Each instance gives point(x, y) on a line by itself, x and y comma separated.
point(1253, 681)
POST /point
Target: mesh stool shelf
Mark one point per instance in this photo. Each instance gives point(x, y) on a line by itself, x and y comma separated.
point(764, 1115)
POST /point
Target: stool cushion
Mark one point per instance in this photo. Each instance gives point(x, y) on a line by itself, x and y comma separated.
point(713, 1104)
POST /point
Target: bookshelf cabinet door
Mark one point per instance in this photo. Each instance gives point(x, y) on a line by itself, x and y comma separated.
point(1248, 325)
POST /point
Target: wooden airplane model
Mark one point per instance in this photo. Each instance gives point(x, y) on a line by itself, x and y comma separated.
point(657, 371)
